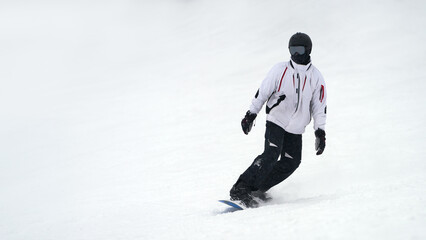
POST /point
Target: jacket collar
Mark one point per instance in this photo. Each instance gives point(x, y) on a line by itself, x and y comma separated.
point(300, 67)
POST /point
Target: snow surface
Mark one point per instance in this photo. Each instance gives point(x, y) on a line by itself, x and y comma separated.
point(121, 119)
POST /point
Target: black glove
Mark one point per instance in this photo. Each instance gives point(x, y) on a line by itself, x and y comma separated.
point(247, 122)
point(319, 141)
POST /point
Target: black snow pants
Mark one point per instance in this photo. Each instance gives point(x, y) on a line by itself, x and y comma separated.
point(267, 170)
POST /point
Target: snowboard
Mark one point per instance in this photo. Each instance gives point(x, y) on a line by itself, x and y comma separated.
point(261, 199)
point(235, 206)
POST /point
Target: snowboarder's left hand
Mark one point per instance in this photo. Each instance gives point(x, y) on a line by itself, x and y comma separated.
point(319, 141)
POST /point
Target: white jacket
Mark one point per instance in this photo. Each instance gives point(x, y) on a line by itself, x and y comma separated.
point(286, 107)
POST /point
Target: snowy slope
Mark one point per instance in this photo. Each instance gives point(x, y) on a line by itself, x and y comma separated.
point(121, 119)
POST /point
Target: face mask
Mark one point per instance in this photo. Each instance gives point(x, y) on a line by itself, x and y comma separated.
point(299, 55)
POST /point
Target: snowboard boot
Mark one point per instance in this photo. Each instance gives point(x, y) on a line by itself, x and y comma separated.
point(242, 193)
point(262, 196)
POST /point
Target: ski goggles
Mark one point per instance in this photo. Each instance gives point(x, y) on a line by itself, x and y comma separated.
point(297, 49)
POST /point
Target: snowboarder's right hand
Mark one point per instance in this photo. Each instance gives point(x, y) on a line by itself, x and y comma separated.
point(247, 122)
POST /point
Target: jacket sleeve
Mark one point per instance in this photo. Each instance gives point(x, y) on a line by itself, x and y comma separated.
point(267, 88)
point(319, 102)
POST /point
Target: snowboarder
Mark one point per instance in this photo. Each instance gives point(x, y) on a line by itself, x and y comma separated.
point(295, 92)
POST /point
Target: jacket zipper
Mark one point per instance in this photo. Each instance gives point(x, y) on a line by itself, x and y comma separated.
point(298, 92)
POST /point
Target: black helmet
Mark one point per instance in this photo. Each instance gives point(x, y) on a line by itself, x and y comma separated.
point(301, 39)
